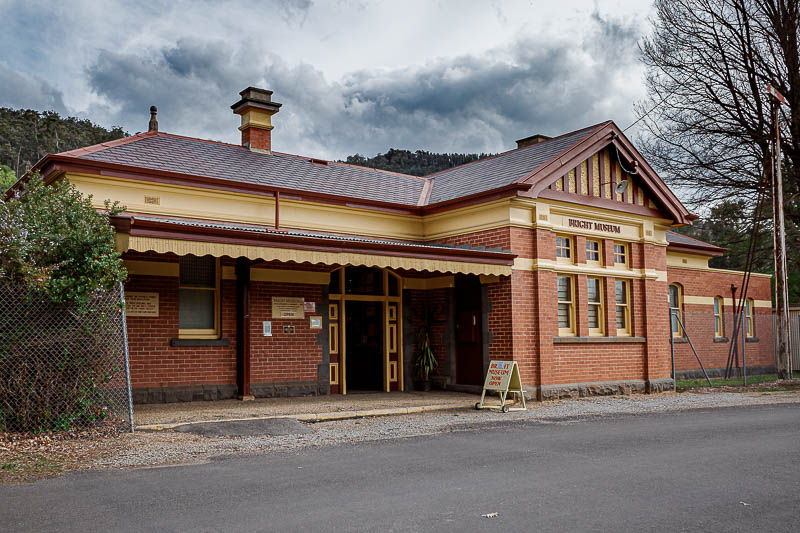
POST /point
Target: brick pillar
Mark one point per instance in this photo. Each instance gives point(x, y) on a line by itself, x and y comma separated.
point(658, 364)
point(581, 307)
point(610, 305)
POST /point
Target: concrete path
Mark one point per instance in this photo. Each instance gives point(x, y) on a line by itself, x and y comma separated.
point(723, 469)
point(307, 409)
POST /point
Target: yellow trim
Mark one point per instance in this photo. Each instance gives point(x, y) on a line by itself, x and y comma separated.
point(257, 118)
point(749, 308)
point(601, 305)
point(486, 280)
point(228, 272)
point(205, 333)
point(333, 311)
point(179, 247)
point(334, 373)
point(627, 330)
point(570, 331)
point(680, 312)
point(719, 323)
point(698, 300)
point(290, 276)
point(426, 284)
point(687, 261)
point(392, 371)
point(524, 263)
point(151, 268)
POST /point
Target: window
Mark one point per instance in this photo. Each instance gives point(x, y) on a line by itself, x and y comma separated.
point(198, 297)
point(748, 317)
point(620, 254)
point(566, 308)
point(563, 248)
point(622, 296)
point(718, 325)
point(592, 251)
point(594, 294)
point(675, 304)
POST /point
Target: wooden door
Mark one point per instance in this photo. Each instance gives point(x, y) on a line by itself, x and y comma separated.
point(469, 331)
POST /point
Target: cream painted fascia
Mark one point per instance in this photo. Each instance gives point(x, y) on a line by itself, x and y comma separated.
point(709, 300)
point(757, 303)
point(687, 260)
point(290, 276)
point(470, 219)
point(522, 263)
point(152, 268)
point(196, 202)
point(426, 284)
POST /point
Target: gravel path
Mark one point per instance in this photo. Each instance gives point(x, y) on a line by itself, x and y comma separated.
point(170, 447)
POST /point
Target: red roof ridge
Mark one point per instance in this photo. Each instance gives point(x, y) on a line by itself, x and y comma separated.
point(433, 174)
point(77, 152)
point(349, 165)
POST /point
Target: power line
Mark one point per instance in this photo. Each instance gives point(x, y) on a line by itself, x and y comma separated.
point(651, 109)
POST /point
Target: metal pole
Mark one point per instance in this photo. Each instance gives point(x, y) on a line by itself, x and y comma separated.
point(672, 350)
point(744, 350)
point(127, 360)
point(680, 323)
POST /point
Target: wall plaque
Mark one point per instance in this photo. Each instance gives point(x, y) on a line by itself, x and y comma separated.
point(285, 307)
point(141, 304)
point(310, 307)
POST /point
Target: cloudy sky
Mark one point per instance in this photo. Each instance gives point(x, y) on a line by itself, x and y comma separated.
point(355, 76)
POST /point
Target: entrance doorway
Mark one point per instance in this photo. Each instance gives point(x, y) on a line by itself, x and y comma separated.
point(469, 331)
point(364, 345)
point(365, 329)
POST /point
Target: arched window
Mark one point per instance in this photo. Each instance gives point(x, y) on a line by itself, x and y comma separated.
point(719, 326)
point(676, 309)
point(748, 317)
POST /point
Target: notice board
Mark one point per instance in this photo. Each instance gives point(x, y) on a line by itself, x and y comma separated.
point(287, 307)
point(141, 304)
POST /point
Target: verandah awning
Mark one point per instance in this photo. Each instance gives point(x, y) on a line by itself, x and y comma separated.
point(147, 234)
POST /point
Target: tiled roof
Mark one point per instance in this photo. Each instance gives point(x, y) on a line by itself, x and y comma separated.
point(196, 157)
point(316, 235)
point(679, 238)
point(184, 155)
point(500, 170)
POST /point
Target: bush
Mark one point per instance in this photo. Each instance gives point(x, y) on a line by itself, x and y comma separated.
point(61, 356)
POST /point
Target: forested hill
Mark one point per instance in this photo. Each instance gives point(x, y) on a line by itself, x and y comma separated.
point(27, 135)
point(419, 163)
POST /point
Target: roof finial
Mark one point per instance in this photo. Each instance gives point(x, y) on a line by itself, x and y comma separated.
point(153, 126)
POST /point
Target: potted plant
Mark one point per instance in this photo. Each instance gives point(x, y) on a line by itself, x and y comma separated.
point(426, 360)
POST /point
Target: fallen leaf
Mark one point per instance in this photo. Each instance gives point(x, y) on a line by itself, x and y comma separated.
point(491, 515)
point(745, 504)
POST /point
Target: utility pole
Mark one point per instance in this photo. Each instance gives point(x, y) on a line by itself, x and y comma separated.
point(779, 241)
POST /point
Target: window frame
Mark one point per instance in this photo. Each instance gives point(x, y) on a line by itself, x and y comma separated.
point(679, 333)
point(203, 333)
point(749, 311)
point(569, 248)
point(599, 304)
point(570, 331)
point(719, 326)
point(626, 331)
point(599, 252)
point(625, 253)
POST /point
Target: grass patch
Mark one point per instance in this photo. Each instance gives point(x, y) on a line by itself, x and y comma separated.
point(29, 468)
point(721, 382)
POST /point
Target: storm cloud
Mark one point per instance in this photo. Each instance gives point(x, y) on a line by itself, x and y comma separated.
point(441, 76)
point(476, 103)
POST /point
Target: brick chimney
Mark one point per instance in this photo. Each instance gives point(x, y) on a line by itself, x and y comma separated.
point(256, 109)
point(533, 139)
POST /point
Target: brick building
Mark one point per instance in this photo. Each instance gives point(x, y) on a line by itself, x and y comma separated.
point(253, 272)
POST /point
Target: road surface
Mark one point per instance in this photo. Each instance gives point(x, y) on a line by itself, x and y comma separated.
point(727, 469)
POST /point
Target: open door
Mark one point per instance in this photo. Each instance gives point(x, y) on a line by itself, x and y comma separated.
point(469, 331)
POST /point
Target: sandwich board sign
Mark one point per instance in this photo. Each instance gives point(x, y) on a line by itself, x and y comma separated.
point(502, 377)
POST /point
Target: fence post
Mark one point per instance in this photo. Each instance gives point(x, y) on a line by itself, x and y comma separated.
point(744, 348)
point(127, 361)
point(672, 350)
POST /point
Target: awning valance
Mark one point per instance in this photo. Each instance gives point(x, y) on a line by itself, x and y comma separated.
point(293, 255)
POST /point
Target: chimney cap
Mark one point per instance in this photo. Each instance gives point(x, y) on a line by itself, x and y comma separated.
point(153, 125)
point(533, 139)
point(258, 98)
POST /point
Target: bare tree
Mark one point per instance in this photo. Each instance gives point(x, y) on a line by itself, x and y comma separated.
point(707, 115)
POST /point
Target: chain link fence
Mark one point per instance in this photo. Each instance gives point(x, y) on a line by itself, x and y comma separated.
point(62, 367)
point(724, 346)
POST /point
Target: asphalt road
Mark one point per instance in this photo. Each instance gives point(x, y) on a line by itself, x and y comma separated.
point(731, 469)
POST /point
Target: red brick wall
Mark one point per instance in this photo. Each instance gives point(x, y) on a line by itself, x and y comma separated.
point(582, 363)
point(154, 363)
point(283, 357)
point(699, 319)
point(493, 238)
